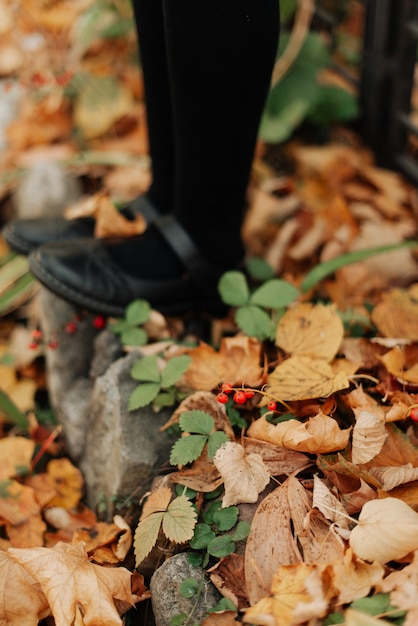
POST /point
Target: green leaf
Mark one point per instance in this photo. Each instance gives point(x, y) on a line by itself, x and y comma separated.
point(175, 369)
point(146, 368)
point(233, 288)
point(321, 271)
point(134, 337)
point(208, 514)
point(187, 449)
point(259, 269)
point(215, 441)
point(146, 535)
point(137, 312)
point(334, 618)
point(223, 605)
point(377, 604)
point(179, 520)
point(221, 546)
point(12, 413)
point(242, 531)
point(226, 518)
point(203, 535)
point(179, 620)
point(253, 321)
point(119, 326)
point(274, 294)
point(189, 587)
point(194, 559)
point(197, 422)
point(334, 104)
point(165, 398)
point(143, 394)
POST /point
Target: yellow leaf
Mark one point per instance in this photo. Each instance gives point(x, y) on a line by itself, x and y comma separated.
point(402, 586)
point(304, 378)
point(146, 535)
point(68, 579)
point(387, 531)
point(396, 315)
point(15, 455)
point(68, 483)
point(157, 501)
point(310, 330)
point(244, 475)
point(354, 578)
point(369, 436)
point(319, 435)
point(179, 520)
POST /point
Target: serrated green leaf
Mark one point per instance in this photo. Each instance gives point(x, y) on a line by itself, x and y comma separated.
point(253, 321)
point(242, 531)
point(142, 395)
point(233, 288)
point(175, 369)
point(223, 605)
point(202, 536)
point(215, 441)
point(189, 587)
point(226, 518)
point(165, 398)
point(275, 294)
point(146, 534)
point(146, 369)
point(134, 337)
point(197, 422)
point(137, 312)
point(187, 449)
point(221, 546)
point(179, 520)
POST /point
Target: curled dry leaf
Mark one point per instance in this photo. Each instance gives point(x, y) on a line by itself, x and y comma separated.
point(392, 477)
point(277, 459)
point(310, 330)
point(303, 378)
point(244, 474)
point(201, 476)
point(369, 436)
point(401, 362)
point(229, 578)
point(319, 435)
point(237, 362)
point(387, 530)
point(396, 315)
point(328, 504)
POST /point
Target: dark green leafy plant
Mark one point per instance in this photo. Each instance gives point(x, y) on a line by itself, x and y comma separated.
point(130, 328)
point(157, 387)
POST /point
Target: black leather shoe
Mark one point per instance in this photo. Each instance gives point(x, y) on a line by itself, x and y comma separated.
point(84, 273)
point(24, 236)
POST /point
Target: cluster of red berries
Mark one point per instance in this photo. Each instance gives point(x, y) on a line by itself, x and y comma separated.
point(37, 339)
point(240, 396)
point(99, 322)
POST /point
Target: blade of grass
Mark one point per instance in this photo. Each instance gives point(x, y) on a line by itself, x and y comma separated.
point(321, 271)
point(21, 291)
point(11, 411)
point(11, 271)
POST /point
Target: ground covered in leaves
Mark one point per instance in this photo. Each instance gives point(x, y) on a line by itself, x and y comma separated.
point(294, 478)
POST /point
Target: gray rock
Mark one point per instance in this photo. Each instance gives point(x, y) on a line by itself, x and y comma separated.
point(124, 449)
point(167, 602)
point(46, 190)
point(107, 349)
point(73, 411)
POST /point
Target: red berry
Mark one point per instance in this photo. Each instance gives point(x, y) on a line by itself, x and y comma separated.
point(53, 344)
point(33, 346)
point(227, 387)
point(240, 397)
point(413, 414)
point(249, 393)
point(37, 335)
point(99, 322)
point(222, 398)
point(272, 405)
point(70, 328)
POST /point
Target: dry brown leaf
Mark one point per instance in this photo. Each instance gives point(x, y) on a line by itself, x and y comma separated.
point(304, 378)
point(310, 330)
point(22, 391)
point(202, 475)
point(226, 618)
point(392, 477)
point(401, 362)
point(295, 598)
point(15, 456)
point(328, 504)
point(354, 578)
point(408, 493)
point(402, 586)
point(94, 119)
point(28, 534)
point(17, 503)
point(43, 488)
point(157, 501)
point(340, 466)
point(244, 474)
point(396, 315)
point(277, 460)
point(237, 362)
point(398, 450)
point(319, 435)
point(387, 530)
point(228, 577)
point(23, 600)
point(125, 540)
point(369, 436)
point(68, 579)
point(68, 483)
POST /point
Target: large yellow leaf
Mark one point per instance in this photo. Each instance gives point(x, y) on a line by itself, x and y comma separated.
point(303, 378)
point(313, 330)
point(69, 580)
point(146, 535)
point(387, 530)
point(244, 474)
point(319, 435)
